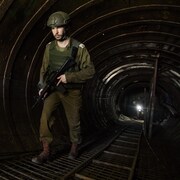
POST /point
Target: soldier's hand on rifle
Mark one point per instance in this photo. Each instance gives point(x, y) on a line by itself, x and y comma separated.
point(44, 96)
point(62, 78)
point(40, 91)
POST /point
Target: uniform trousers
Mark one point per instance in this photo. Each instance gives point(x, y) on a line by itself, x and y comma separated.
point(71, 101)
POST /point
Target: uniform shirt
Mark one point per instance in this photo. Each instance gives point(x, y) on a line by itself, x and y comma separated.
point(84, 69)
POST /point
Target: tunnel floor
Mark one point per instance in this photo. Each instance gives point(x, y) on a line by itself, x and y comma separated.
point(119, 153)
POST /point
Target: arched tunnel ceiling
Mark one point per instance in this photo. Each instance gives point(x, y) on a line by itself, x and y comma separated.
point(124, 38)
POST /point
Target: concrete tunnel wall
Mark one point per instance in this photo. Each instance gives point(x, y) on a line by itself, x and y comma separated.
point(123, 38)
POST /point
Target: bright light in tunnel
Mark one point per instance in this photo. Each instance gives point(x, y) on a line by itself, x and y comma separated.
point(139, 107)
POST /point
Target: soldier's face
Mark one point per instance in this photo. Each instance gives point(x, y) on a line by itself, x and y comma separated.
point(58, 32)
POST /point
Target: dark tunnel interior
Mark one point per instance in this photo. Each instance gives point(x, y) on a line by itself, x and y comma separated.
point(135, 47)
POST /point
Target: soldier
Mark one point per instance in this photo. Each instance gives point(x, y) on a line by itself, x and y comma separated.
point(55, 54)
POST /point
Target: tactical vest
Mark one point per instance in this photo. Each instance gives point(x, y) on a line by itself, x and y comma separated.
point(57, 58)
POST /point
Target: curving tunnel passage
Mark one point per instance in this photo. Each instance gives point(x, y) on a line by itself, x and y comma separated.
point(135, 47)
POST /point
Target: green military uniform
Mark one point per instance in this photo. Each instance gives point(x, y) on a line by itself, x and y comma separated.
point(83, 70)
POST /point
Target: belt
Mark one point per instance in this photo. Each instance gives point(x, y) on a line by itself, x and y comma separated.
point(63, 87)
point(73, 85)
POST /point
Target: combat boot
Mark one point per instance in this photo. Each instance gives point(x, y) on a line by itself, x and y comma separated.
point(44, 155)
point(74, 151)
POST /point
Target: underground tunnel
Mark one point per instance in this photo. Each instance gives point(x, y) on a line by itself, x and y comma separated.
point(135, 48)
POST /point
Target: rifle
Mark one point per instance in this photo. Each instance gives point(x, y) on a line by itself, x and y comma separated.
point(53, 78)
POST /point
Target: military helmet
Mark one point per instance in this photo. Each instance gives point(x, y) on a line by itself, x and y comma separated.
point(58, 19)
